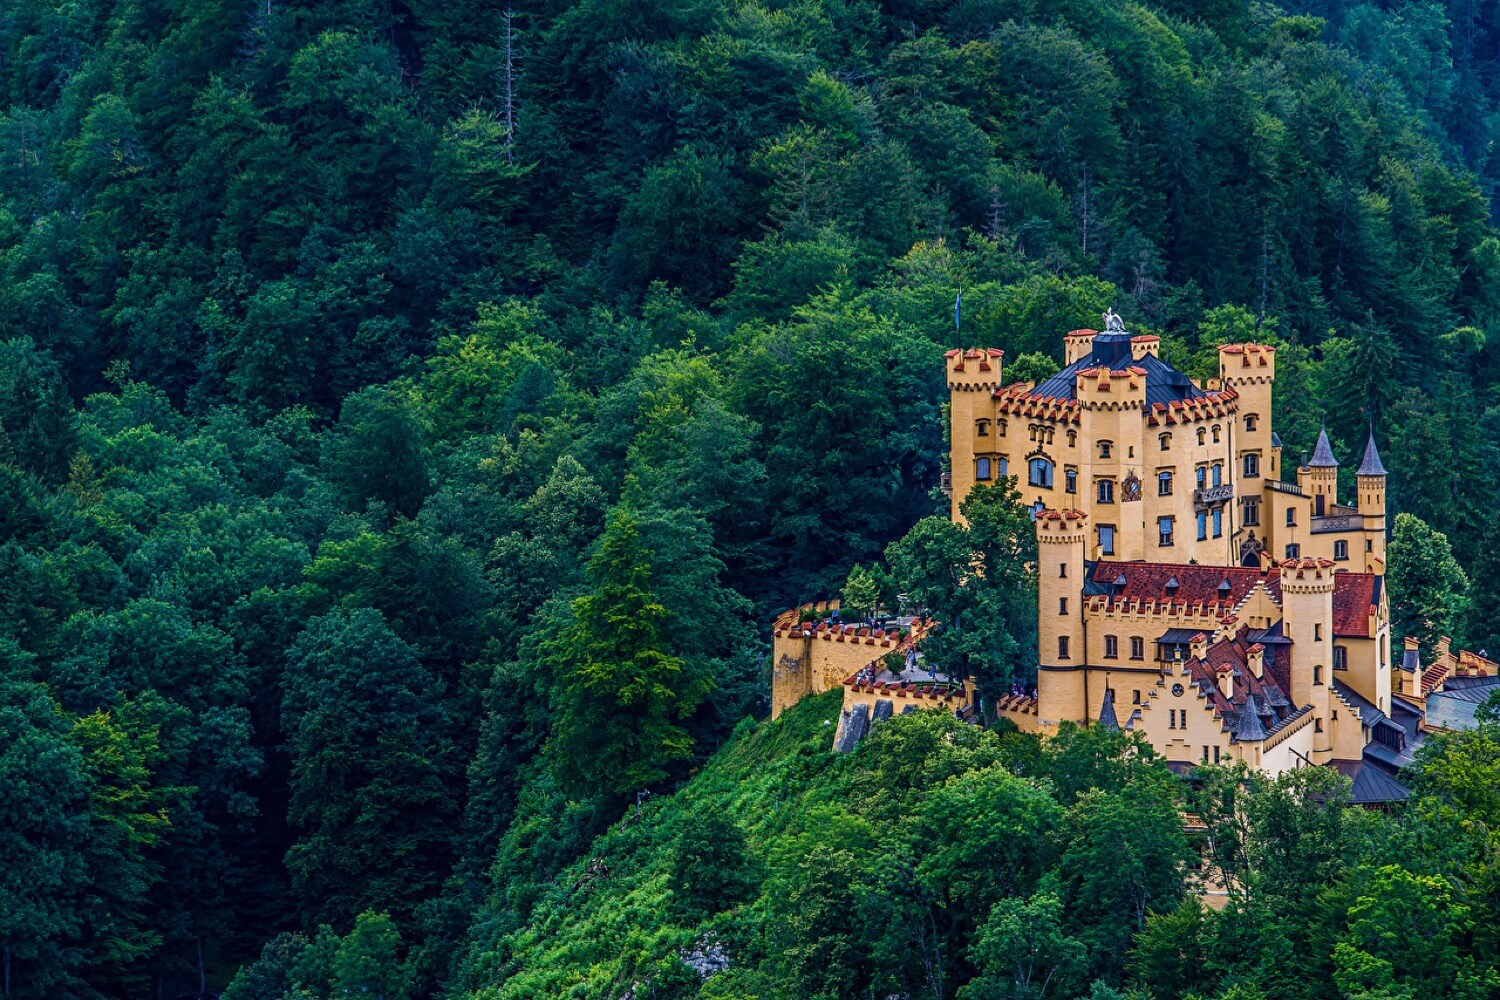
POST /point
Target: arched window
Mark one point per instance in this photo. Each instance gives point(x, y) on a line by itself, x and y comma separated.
point(1040, 473)
point(1070, 480)
point(1202, 477)
point(1072, 438)
point(1216, 433)
point(1166, 442)
point(1218, 474)
point(1201, 434)
point(1249, 421)
point(1163, 484)
point(1000, 427)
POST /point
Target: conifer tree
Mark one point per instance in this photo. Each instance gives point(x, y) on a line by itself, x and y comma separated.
point(618, 689)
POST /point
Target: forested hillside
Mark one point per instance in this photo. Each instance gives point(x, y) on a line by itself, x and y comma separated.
point(410, 414)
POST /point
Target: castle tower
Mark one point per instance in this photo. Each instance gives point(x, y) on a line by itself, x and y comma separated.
point(1370, 484)
point(1061, 655)
point(1319, 478)
point(1250, 371)
point(1077, 344)
point(1307, 620)
point(973, 377)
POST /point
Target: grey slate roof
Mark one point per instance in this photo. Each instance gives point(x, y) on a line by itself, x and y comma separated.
point(1371, 785)
point(1164, 384)
point(1371, 465)
point(1323, 453)
point(1107, 717)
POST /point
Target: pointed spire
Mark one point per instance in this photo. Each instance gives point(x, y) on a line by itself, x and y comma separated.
point(1371, 465)
point(1107, 717)
point(1323, 453)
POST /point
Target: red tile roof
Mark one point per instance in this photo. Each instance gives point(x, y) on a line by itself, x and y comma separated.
point(1354, 594)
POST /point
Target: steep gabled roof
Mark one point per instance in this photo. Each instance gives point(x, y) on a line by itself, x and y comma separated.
point(1323, 453)
point(1371, 465)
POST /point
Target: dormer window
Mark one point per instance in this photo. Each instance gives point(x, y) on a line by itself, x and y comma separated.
point(1224, 589)
point(1172, 586)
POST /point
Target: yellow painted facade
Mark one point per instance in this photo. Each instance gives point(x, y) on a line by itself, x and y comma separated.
point(1186, 592)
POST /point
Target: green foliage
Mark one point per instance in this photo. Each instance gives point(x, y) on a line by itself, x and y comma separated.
point(1429, 587)
point(329, 337)
point(618, 689)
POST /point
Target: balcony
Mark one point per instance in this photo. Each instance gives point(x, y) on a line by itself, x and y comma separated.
point(1210, 495)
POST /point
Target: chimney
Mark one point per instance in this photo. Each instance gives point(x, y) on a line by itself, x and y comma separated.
point(1411, 667)
point(1226, 681)
point(1444, 643)
point(1255, 659)
point(1198, 645)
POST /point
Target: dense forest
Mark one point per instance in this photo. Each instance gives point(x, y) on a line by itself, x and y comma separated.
point(411, 413)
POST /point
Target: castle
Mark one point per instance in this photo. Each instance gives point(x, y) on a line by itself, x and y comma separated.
point(1185, 591)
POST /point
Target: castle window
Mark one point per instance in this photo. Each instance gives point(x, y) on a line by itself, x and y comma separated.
point(1317, 673)
point(1202, 474)
point(1251, 513)
point(1163, 484)
point(1205, 753)
point(1107, 539)
point(1317, 631)
point(1341, 657)
point(1000, 427)
point(1111, 647)
point(1137, 652)
point(1072, 438)
point(982, 428)
point(1070, 480)
point(1164, 531)
point(1216, 433)
point(1062, 605)
point(1106, 490)
point(1216, 755)
point(1135, 696)
point(1062, 647)
point(1317, 725)
point(1252, 465)
point(981, 469)
point(1201, 434)
point(1062, 571)
point(1218, 519)
point(1369, 545)
point(1202, 525)
point(1004, 466)
point(1166, 442)
point(1104, 447)
point(1249, 421)
point(1291, 517)
point(1218, 474)
point(1341, 550)
point(1041, 473)
point(1293, 551)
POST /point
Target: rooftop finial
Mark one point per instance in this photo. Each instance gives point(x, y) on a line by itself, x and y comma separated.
point(1112, 322)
